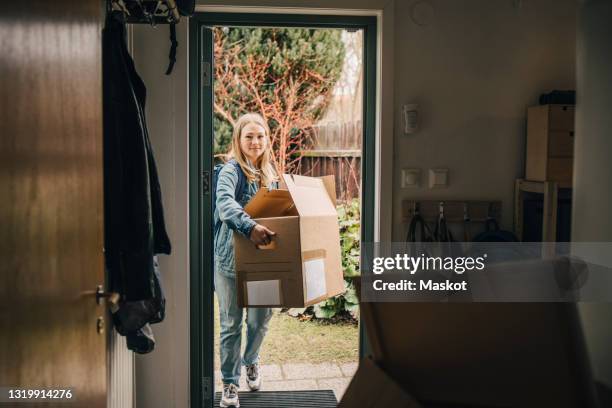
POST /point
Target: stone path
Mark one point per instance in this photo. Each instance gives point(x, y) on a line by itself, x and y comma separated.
point(294, 377)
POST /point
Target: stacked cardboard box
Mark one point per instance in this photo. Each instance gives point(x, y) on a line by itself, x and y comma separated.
point(550, 143)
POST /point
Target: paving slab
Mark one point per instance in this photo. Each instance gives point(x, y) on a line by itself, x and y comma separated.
point(269, 372)
point(311, 371)
point(348, 369)
point(217, 377)
point(289, 385)
point(338, 385)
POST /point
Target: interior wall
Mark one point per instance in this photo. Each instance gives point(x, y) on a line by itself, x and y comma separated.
point(474, 67)
point(592, 165)
point(162, 378)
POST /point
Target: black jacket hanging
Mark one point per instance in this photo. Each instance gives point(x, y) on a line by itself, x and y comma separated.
point(133, 214)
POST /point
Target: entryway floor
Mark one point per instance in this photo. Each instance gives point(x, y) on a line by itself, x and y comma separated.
point(301, 376)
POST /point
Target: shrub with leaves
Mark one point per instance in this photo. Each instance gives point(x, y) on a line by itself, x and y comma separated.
point(349, 217)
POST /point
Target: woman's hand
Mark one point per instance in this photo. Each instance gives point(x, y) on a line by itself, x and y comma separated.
point(261, 235)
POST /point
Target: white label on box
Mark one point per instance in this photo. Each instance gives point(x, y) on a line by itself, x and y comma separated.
point(314, 273)
point(263, 292)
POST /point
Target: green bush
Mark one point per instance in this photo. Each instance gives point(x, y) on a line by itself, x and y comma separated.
point(349, 217)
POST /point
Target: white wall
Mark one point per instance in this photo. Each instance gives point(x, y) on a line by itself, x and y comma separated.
point(592, 165)
point(473, 70)
point(162, 378)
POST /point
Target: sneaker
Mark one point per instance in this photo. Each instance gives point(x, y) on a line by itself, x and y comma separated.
point(253, 377)
point(230, 396)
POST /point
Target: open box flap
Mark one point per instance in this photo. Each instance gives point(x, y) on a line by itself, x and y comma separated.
point(372, 387)
point(310, 195)
point(330, 186)
point(456, 345)
point(329, 182)
point(270, 203)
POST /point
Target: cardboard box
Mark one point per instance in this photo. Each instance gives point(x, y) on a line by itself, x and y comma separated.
point(550, 143)
point(302, 265)
point(372, 387)
point(472, 355)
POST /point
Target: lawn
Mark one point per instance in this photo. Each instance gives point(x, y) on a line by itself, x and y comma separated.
point(290, 340)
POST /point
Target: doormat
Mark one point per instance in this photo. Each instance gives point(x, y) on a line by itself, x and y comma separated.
point(285, 399)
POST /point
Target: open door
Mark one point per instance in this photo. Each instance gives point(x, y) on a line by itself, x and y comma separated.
point(200, 206)
point(52, 329)
point(201, 167)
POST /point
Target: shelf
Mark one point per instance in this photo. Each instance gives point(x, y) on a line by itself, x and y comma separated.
point(550, 190)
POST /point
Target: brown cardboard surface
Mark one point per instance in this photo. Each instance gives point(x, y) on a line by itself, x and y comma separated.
point(287, 242)
point(330, 186)
point(319, 233)
point(550, 143)
point(316, 254)
point(277, 278)
point(282, 262)
point(270, 203)
point(560, 169)
point(482, 354)
point(562, 117)
point(304, 256)
point(371, 387)
point(561, 144)
point(310, 196)
point(536, 149)
point(291, 291)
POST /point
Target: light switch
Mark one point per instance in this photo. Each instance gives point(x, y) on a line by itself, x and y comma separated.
point(411, 178)
point(438, 178)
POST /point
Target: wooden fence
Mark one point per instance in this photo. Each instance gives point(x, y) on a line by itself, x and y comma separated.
point(336, 150)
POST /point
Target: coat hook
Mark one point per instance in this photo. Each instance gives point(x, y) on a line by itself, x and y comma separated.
point(120, 6)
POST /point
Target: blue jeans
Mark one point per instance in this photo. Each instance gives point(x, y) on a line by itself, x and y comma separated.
point(231, 329)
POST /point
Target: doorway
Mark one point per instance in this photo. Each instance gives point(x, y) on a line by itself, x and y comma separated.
point(202, 147)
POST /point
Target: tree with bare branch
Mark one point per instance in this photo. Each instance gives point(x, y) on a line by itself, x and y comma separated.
point(285, 74)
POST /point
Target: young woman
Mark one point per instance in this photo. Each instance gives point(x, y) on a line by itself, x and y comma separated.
point(250, 154)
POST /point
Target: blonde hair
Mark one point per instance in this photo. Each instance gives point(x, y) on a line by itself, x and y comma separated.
point(264, 171)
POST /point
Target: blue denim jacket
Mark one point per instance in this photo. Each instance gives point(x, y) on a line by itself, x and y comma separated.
point(230, 210)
